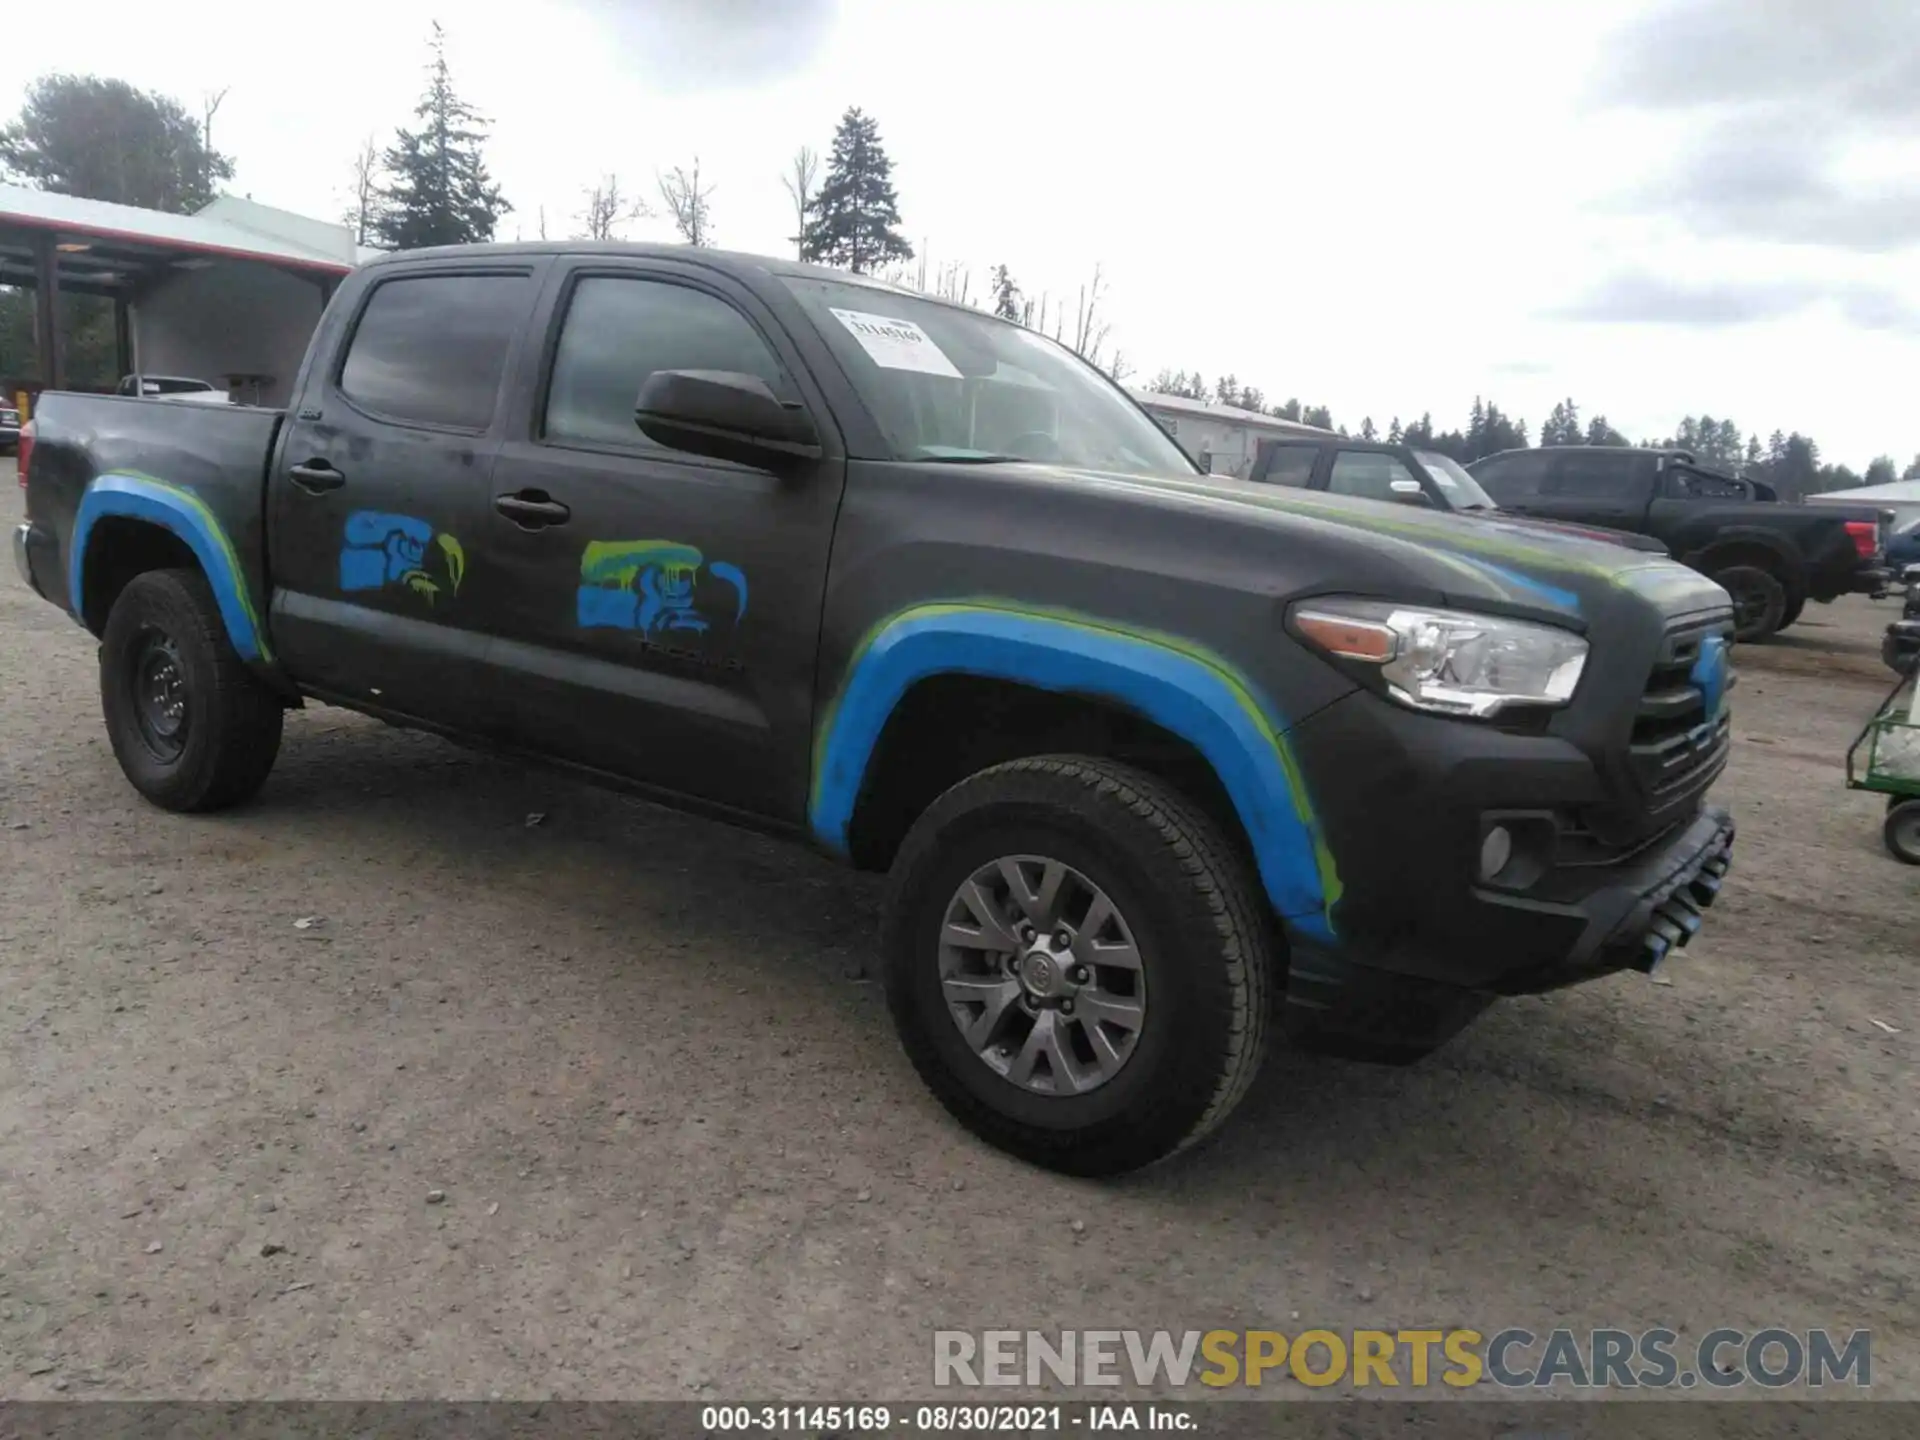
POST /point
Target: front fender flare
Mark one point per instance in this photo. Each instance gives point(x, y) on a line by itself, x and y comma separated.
point(1178, 686)
point(183, 514)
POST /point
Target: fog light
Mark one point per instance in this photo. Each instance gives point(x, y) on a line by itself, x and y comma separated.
point(1495, 851)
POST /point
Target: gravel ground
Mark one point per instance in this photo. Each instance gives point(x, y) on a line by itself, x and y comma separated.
point(374, 1088)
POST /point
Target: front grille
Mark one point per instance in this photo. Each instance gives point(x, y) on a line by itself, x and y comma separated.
point(1678, 748)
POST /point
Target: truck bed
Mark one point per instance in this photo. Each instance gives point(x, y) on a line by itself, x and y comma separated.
point(220, 453)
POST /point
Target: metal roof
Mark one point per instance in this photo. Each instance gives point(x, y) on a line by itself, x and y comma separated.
point(1893, 492)
point(107, 248)
point(1226, 414)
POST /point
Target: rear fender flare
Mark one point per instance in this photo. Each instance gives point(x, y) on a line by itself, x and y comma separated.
point(185, 515)
point(1178, 686)
point(1787, 562)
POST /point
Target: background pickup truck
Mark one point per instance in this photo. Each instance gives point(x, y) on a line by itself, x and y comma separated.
point(1402, 475)
point(1153, 760)
point(1772, 558)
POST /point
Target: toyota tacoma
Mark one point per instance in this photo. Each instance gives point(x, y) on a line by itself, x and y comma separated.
point(1159, 765)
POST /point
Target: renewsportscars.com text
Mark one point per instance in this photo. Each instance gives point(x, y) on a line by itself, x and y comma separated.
point(1406, 1359)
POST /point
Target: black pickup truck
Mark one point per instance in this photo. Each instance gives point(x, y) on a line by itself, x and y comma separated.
point(1772, 558)
point(1402, 474)
point(1157, 763)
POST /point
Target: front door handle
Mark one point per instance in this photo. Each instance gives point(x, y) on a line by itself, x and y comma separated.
point(316, 476)
point(532, 509)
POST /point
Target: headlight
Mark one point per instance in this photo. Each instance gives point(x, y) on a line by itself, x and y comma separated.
point(1448, 661)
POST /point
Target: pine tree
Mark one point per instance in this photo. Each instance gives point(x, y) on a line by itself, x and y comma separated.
point(1394, 434)
point(104, 140)
point(1563, 425)
point(1599, 432)
point(1912, 472)
point(1367, 432)
point(856, 213)
point(441, 192)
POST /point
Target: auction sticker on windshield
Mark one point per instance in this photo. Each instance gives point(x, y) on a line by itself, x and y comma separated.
point(896, 344)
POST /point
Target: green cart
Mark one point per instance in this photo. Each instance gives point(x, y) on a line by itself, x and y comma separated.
point(1891, 742)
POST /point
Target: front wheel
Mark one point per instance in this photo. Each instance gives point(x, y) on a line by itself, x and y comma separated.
point(1759, 600)
point(1902, 832)
point(1077, 963)
point(191, 726)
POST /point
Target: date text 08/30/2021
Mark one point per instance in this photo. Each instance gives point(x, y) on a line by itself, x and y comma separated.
point(939, 1419)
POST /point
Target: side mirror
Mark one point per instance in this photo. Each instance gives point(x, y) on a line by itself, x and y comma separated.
point(1410, 492)
point(725, 414)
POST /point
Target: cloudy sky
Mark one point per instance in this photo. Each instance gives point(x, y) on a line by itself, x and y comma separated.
point(1658, 207)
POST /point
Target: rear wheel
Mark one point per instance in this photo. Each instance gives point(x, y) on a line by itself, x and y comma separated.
point(1902, 830)
point(191, 726)
point(1759, 600)
point(1077, 963)
point(1792, 612)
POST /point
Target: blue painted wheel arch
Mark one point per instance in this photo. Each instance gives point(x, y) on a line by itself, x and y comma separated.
point(184, 515)
point(1179, 689)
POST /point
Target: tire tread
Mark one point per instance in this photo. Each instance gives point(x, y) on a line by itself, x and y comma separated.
point(1219, 895)
point(245, 718)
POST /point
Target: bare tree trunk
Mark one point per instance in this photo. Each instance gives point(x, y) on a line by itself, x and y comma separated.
point(209, 107)
point(1089, 330)
point(366, 191)
point(687, 204)
point(803, 172)
point(608, 209)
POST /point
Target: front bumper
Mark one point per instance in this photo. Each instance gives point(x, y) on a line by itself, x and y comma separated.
point(21, 562)
point(1372, 1006)
point(1600, 882)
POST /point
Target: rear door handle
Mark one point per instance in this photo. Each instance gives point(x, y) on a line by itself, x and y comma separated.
point(316, 476)
point(532, 509)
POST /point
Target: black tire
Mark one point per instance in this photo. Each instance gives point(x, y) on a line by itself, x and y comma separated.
point(1198, 922)
point(1791, 614)
point(1902, 831)
point(231, 731)
point(1759, 600)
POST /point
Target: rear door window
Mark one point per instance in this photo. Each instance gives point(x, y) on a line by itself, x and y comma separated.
point(430, 349)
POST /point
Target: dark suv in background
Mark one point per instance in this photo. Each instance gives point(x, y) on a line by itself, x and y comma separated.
point(1771, 557)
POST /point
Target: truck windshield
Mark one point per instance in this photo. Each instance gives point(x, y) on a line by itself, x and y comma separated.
point(951, 385)
point(1463, 492)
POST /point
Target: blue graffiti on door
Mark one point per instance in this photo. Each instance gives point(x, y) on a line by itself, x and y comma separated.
point(655, 587)
point(382, 549)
